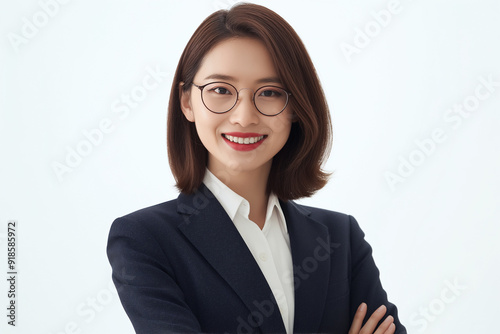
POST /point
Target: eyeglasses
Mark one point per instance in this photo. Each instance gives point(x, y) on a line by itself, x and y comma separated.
point(220, 97)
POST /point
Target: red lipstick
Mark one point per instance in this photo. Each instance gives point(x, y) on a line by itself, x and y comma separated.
point(234, 140)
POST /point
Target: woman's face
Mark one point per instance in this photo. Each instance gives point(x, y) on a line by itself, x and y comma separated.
point(246, 64)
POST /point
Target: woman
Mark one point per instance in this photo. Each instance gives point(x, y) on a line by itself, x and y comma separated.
point(248, 130)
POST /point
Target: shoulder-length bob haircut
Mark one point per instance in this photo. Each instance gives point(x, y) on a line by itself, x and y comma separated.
point(296, 169)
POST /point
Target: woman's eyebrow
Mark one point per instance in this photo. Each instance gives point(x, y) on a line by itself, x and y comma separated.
point(221, 77)
point(231, 78)
point(269, 80)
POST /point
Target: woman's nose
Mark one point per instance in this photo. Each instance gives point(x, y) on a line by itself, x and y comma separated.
point(244, 112)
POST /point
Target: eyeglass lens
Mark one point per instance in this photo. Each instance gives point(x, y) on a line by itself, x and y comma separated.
point(220, 97)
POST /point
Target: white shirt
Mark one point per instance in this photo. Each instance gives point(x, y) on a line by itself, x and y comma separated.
point(270, 246)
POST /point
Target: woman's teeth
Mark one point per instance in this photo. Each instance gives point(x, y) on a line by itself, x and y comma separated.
point(247, 140)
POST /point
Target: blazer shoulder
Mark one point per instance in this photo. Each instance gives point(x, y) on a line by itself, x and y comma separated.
point(335, 222)
point(152, 211)
point(152, 218)
point(320, 214)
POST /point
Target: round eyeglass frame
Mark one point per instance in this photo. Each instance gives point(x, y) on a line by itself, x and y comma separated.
point(201, 87)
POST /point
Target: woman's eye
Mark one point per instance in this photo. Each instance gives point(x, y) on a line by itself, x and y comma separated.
point(221, 90)
point(270, 93)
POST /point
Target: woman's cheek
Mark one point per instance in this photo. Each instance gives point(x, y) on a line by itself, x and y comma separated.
point(281, 123)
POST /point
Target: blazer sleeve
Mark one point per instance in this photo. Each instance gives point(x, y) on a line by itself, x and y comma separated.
point(365, 280)
point(145, 282)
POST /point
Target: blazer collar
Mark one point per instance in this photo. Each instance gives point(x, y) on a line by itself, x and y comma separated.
point(209, 228)
point(311, 249)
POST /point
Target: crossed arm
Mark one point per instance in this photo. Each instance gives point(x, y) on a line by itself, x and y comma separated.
point(386, 327)
point(136, 249)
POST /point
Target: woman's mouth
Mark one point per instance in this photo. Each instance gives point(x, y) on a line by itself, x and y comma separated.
point(244, 141)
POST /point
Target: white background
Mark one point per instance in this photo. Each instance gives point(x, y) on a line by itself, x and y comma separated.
point(437, 226)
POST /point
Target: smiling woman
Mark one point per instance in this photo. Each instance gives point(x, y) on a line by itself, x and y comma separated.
point(283, 61)
point(248, 132)
point(223, 133)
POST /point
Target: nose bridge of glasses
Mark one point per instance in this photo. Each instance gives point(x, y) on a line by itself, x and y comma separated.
point(250, 97)
point(251, 91)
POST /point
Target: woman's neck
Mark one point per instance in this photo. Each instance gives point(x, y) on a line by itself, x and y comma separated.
point(251, 185)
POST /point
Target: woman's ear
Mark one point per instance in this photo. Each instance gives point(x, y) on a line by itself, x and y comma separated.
point(185, 97)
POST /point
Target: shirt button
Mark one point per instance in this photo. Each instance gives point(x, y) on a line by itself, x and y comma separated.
point(263, 256)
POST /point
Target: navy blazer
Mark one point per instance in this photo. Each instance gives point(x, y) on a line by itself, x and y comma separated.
point(182, 267)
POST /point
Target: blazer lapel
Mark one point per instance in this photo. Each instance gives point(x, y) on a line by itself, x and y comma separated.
point(209, 228)
point(311, 249)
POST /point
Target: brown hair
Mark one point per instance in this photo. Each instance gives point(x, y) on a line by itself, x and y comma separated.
point(296, 169)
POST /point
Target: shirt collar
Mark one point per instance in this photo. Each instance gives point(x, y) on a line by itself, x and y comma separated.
point(231, 201)
point(272, 203)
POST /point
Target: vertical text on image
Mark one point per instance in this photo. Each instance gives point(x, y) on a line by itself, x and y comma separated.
point(12, 272)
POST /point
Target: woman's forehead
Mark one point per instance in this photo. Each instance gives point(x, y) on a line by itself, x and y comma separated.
point(237, 60)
